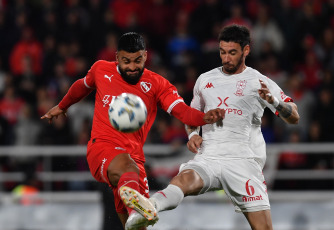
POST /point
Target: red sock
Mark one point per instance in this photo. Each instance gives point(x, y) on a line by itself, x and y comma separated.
point(131, 180)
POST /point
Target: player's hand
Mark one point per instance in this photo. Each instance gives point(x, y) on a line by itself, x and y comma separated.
point(194, 143)
point(264, 93)
point(54, 112)
point(214, 115)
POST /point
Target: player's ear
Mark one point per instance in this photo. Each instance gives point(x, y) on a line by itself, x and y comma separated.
point(145, 55)
point(117, 56)
point(246, 50)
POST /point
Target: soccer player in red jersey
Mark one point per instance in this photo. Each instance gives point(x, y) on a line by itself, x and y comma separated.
point(114, 157)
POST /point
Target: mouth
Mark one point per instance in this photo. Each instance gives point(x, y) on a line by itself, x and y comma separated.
point(228, 66)
point(132, 72)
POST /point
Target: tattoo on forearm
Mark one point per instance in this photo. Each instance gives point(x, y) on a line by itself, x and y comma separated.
point(284, 109)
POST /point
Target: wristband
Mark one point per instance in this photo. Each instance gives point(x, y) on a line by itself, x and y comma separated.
point(276, 102)
point(192, 134)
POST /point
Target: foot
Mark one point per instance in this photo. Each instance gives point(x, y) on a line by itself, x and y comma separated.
point(133, 199)
point(137, 221)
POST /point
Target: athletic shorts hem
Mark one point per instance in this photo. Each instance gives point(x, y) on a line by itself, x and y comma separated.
point(201, 172)
point(252, 209)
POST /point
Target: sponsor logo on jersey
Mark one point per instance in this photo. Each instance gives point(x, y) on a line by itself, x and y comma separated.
point(109, 78)
point(229, 110)
point(233, 111)
point(209, 85)
point(221, 101)
point(241, 85)
point(145, 86)
point(250, 191)
point(107, 100)
point(251, 198)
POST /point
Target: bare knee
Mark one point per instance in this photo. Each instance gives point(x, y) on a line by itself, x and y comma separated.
point(189, 181)
point(119, 165)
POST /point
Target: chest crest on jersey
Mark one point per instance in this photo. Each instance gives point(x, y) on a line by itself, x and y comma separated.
point(145, 86)
point(241, 85)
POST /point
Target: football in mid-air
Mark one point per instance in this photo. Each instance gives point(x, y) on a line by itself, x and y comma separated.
point(127, 113)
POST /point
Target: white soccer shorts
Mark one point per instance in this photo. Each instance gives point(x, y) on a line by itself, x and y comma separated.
point(241, 179)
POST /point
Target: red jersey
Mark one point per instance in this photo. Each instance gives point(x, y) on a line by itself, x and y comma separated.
point(152, 88)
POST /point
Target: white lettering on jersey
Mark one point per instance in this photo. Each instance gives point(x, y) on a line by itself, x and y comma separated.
point(106, 101)
point(145, 86)
point(102, 167)
point(109, 78)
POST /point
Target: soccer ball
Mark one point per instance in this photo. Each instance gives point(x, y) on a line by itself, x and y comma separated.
point(127, 113)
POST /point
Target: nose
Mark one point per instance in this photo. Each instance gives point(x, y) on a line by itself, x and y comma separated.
point(226, 58)
point(132, 66)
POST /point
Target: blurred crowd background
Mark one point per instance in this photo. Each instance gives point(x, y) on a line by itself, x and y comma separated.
point(46, 45)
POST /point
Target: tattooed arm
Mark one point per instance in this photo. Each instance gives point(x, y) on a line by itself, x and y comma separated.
point(288, 111)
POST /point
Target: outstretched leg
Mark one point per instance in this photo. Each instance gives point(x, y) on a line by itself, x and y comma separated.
point(187, 182)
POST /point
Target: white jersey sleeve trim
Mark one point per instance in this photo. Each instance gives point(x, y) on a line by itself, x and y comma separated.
point(170, 108)
point(86, 83)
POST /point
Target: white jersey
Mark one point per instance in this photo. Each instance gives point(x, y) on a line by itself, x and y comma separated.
point(240, 135)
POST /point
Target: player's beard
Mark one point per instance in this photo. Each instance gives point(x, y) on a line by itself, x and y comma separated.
point(132, 79)
point(232, 69)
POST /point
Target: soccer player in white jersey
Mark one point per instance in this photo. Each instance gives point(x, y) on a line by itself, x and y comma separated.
point(230, 155)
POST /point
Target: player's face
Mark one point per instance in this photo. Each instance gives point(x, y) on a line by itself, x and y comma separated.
point(131, 65)
point(233, 57)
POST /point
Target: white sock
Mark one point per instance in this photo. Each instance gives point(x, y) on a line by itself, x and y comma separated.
point(167, 199)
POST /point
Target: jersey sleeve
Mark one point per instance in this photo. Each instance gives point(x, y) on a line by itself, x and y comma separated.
point(197, 102)
point(89, 79)
point(277, 92)
point(168, 96)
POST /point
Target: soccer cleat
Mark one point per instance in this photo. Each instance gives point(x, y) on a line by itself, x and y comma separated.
point(133, 199)
point(137, 221)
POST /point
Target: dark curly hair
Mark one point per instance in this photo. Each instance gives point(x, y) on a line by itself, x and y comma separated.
point(235, 33)
point(131, 42)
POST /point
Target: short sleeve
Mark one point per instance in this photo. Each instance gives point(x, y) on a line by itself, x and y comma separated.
point(277, 92)
point(196, 102)
point(168, 95)
point(89, 79)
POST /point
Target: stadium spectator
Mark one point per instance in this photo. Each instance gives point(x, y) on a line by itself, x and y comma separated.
point(323, 114)
point(237, 17)
point(108, 52)
point(324, 48)
point(182, 48)
point(10, 108)
point(266, 30)
point(305, 100)
point(28, 47)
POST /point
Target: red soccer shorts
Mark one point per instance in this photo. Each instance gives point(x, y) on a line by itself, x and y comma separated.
point(99, 156)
